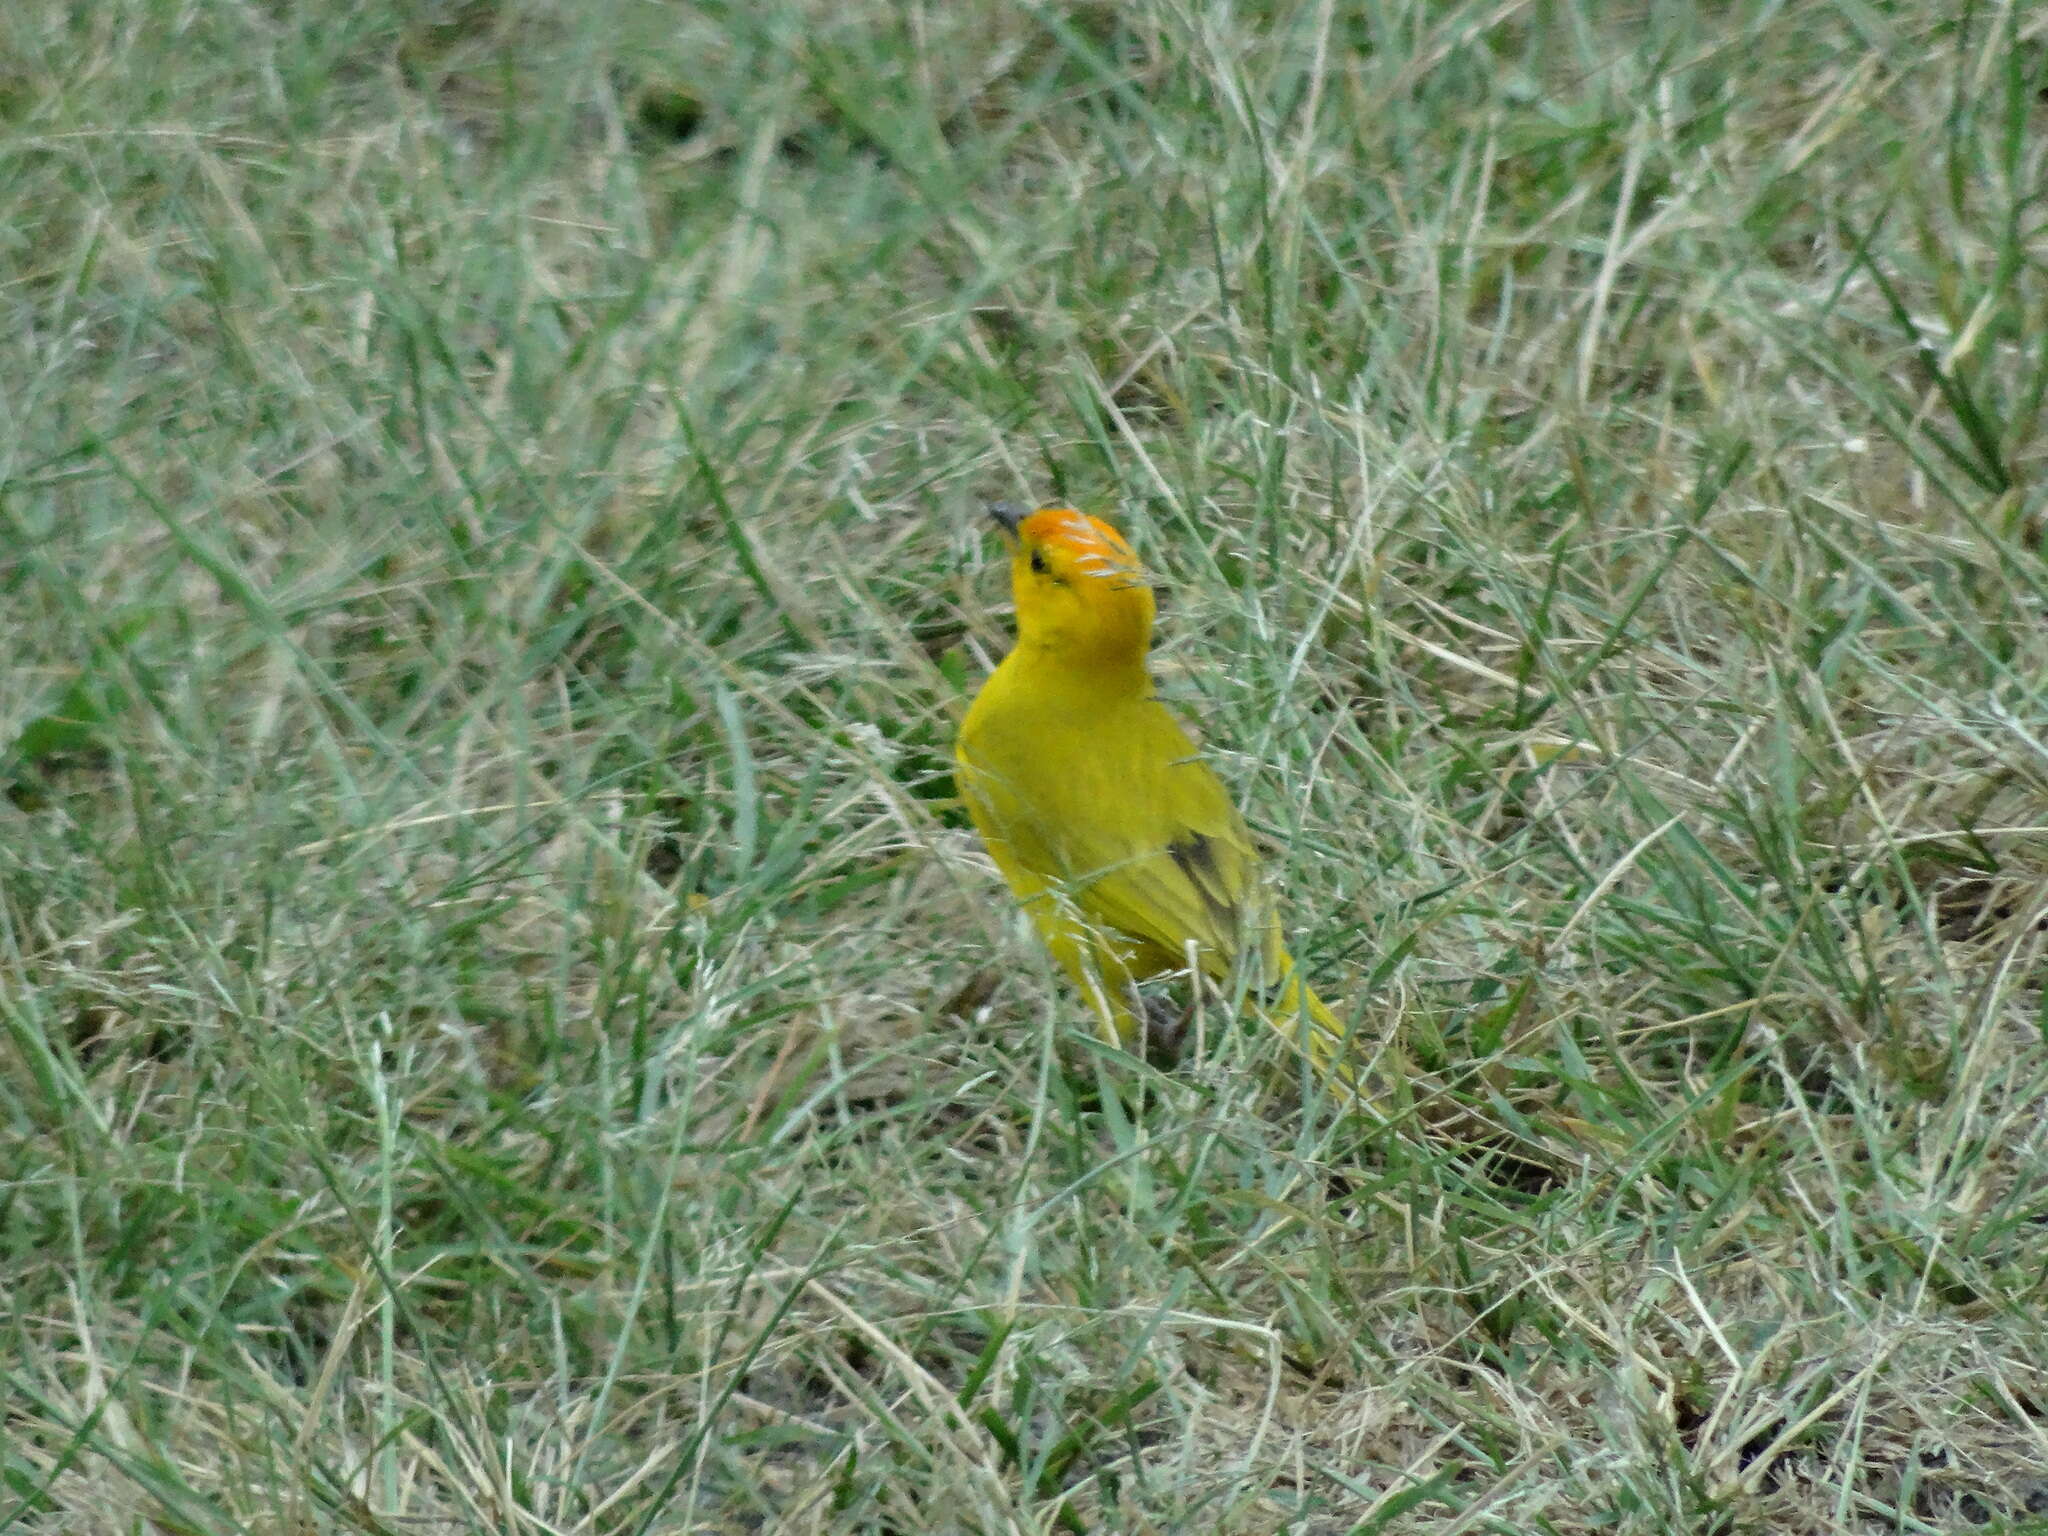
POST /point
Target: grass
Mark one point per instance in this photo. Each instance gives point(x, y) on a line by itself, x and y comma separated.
point(505, 1028)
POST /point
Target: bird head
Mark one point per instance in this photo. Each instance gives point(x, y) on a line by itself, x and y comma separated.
point(1081, 595)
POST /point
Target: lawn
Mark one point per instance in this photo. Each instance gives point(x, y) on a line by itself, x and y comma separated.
point(504, 1026)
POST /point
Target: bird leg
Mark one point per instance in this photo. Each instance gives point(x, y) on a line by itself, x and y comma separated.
point(1163, 1027)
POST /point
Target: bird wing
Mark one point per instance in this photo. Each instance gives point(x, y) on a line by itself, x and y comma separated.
point(1173, 862)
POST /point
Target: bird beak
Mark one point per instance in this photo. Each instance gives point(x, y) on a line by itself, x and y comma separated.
point(1006, 515)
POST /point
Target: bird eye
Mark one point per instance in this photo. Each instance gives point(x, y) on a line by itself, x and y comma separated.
point(1038, 562)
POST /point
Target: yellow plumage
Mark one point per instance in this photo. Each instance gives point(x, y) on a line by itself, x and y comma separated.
point(1119, 841)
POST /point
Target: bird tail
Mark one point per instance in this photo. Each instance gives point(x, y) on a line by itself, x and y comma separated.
point(1307, 1023)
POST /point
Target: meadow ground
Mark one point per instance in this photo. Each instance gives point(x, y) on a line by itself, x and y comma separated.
point(503, 1027)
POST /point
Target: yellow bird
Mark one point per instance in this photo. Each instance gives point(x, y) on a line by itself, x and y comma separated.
point(1121, 844)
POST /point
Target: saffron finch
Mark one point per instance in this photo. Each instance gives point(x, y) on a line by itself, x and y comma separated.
point(1119, 841)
